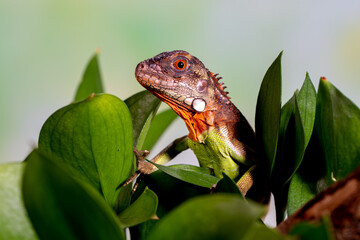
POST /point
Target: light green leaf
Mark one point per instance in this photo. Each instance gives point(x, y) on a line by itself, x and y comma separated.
point(338, 124)
point(191, 174)
point(219, 216)
point(143, 107)
point(158, 126)
point(62, 207)
point(14, 221)
point(141, 210)
point(91, 80)
point(267, 119)
point(94, 138)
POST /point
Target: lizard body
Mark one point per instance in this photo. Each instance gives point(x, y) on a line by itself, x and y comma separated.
point(219, 134)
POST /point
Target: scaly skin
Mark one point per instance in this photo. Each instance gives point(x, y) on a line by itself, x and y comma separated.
point(219, 134)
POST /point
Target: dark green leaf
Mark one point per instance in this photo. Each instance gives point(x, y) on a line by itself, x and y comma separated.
point(267, 119)
point(220, 216)
point(306, 101)
point(142, 230)
point(310, 231)
point(338, 124)
point(14, 221)
point(94, 138)
point(143, 107)
point(91, 80)
point(191, 174)
point(286, 141)
point(227, 185)
point(300, 192)
point(160, 123)
point(170, 191)
point(62, 207)
point(124, 198)
point(308, 181)
point(287, 111)
point(141, 210)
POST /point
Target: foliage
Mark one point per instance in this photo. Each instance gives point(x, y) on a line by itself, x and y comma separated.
point(72, 186)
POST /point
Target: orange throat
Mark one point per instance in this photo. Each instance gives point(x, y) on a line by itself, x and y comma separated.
point(197, 123)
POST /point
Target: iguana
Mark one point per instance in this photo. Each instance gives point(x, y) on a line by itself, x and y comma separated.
point(219, 135)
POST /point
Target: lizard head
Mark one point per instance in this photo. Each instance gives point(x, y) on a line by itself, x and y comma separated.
point(179, 78)
point(187, 86)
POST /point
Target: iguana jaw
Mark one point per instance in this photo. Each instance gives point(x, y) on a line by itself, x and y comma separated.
point(198, 124)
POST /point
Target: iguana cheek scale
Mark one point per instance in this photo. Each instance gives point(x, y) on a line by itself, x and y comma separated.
point(219, 134)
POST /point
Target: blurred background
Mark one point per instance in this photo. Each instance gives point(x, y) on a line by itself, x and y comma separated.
point(45, 46)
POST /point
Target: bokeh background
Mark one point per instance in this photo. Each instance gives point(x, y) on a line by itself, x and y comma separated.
point(45, 45)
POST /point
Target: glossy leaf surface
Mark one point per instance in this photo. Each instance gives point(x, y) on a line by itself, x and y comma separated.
point(305, 108)
point(191, 174)
point(94, 138)
point(267, 119)
point(62, 207)
point(338, 124)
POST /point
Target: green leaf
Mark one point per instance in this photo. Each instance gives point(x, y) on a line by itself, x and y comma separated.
point(14, 221)
point(287, 111)
point(124, 198)
point(160, 123)
point(305, 107)
point(170, 191)
point(338, 124)
point(141, 210)
point(260, 231)
point(267, 119)
point(142, 230)
point(300, 192)
point(306, 102)
point(298, 112)
point(143, 107)
point(219, 216)
point(286, 144)
point(62, 207)
point(191, 174)
point(94, 138)
point(308, 181)
point(318, 231)
point(91, 80)
point(227, 185)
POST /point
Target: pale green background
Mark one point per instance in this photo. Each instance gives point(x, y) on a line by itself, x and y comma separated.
point(44, 46)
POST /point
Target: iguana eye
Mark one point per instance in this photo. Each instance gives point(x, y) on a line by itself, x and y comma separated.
point(180, 64)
